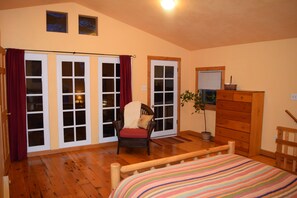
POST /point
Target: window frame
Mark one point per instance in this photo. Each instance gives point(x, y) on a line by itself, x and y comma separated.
point(44, 78)
point(213, 68)
point(91, 17)
point(66, 14)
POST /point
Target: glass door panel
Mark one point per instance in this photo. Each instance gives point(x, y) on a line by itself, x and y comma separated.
point(164, 96)
point(109, 97)
point(37, 102)
point(74, 100)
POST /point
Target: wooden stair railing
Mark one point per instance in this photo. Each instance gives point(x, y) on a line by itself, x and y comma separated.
point(286, 151)
point(291, 115)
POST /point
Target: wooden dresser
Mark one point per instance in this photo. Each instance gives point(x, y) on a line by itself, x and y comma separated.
point(239, 116)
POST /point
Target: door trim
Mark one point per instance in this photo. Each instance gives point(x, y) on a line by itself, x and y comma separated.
point(178, 60)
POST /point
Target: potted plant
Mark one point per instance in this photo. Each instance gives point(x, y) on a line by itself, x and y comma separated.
point(198, 105)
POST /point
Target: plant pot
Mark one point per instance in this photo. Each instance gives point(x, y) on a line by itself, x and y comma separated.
point(206, 136)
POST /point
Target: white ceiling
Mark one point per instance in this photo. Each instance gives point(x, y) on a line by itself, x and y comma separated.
point(197, 24)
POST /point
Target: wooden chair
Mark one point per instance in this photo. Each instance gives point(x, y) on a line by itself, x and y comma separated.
point(135, 137)
point(286, 151)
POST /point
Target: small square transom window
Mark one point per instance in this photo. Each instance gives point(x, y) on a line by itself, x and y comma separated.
point(56, 21)
point(88, 25)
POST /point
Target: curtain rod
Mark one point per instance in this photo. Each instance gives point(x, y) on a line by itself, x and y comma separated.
point(88, 53)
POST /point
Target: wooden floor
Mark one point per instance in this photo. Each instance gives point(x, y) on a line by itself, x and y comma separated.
point(87, 173)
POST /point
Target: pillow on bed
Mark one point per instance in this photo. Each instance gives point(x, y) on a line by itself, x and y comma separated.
point(144, 120)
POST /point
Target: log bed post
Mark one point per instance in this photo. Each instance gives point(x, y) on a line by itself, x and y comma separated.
point(231, 149)
point(115, 175)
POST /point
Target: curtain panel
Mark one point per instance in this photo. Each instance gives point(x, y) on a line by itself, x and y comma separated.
point(125, 75)
point(16, 103)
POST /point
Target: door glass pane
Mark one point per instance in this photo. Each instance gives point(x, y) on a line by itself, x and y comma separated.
point(35, 121)
point(108, 85)
point(108, 70)
point(34, 86)
point(34, 103)
point(108, 130)
point(67, 102)
point(36, 138)
point(168, 124)
point(118, 100)
point(66, 68)
point(67, 85)
point(159, 125)
point(80, 102)
point(158, 112)
point(79, 85)
point(68, 134)
point(159, 71)
point(168, 111)
point(169, 98)
point(79, 68)
point(108, 100)
point(33, 68)
point(169, 72)
point(80, 117)
point(81, 133)
point(158, 85)
point(158, 98)
point(108, 115)
point(117, 70)
point(118, 114)
point(118, 85)
point(68, 118)
point(168, 85)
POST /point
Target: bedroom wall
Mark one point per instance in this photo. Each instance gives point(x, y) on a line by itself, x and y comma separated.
point(26, 29)
point(266, 66)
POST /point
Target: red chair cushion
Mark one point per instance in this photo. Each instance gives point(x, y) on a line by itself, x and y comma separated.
point(133, 133)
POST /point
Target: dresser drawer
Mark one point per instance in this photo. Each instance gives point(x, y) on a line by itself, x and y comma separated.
point(234, 115)
point(239, 145)
point(242, 97)
point(235, 125)
point(229, 133)
point(224, 95)
point(233, 106)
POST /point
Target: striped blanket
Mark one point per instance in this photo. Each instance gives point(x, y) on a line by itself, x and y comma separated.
point(219, 176)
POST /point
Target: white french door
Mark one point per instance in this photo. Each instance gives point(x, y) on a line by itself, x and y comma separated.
point(73, 100)
point(164, 96)
point(109, 97)
point(37, 102)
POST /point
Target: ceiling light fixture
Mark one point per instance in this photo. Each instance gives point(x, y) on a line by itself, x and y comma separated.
point(168, 4)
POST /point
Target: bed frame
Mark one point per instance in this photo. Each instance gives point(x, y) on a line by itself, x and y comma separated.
point(117, 171)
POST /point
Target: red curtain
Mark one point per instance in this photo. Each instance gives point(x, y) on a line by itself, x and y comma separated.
point(16, 102)
point(125, 75)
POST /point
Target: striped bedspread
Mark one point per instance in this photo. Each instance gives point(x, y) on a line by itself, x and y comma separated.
point(219, 176)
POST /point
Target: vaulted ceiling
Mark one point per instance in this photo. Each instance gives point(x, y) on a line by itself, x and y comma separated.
point(196, 24)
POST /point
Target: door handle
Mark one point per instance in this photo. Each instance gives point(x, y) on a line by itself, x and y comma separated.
point(8, 114)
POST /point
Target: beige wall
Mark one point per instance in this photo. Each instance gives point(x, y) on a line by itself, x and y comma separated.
point(26, 29)
point(267, 66)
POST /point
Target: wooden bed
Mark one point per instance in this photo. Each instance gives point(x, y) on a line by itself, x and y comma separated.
point(213, 172)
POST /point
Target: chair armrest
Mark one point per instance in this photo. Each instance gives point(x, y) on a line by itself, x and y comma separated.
point(118, 125)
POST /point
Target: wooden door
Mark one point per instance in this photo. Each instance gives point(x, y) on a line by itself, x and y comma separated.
point(4, 141)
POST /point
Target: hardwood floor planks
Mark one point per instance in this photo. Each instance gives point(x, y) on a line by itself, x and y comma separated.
point(86, 173)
